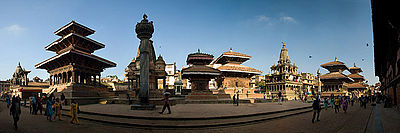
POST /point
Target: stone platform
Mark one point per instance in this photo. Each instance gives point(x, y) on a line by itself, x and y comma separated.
point(194, 110)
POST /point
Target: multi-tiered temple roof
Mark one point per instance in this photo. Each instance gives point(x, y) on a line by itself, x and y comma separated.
point(232, 62)
point(198, 65)
point(335, 69)
point(72, 47)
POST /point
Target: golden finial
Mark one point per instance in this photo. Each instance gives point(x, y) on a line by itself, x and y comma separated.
point(354, 64)
point(335, 59)
point(230, 50)
point(198, 50)
point(144, 16)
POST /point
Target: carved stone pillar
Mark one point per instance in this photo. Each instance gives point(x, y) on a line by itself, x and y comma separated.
point(73, 76)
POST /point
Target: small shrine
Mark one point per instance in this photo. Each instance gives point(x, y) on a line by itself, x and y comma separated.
point(199, 75)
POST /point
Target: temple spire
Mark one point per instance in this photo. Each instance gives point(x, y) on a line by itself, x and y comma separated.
point(284, 56)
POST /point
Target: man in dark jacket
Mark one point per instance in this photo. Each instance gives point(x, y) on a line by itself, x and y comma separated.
point(316, 109)
point(15, 110)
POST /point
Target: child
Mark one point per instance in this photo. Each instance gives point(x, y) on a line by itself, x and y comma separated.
point(57, 110)
point(74, 112)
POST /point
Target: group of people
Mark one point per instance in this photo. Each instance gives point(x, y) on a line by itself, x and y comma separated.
point(52, 110)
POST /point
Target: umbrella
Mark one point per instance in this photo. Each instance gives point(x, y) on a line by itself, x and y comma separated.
point(167, 93)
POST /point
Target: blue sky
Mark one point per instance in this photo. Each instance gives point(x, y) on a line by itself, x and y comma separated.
point(323, 29)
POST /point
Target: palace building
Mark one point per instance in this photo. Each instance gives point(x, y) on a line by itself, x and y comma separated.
point(284, 77)
point(75, 70)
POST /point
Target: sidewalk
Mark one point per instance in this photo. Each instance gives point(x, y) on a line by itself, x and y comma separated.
point(194, 110)
point(384, 120)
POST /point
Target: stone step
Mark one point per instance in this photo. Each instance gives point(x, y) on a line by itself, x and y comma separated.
point(163, 122)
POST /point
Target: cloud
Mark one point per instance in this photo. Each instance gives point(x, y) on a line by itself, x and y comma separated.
point(288, 19)
point(265, 19)
point(14, 29)
point(262, 18)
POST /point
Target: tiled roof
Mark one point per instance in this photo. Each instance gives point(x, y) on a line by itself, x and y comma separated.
point(71, 24)
point(335, 75)
point(238, 68)
point(236, 54)
point(79, 52)
point(356, 85)
point(333, 63)
point(355, 76)
point(200, 68)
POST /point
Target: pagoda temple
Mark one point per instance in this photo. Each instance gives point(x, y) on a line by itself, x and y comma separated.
point(335, 82)
point(284, 77)
point(358, 86)
point(200, 75)
point(234, 76)
point(75, 70)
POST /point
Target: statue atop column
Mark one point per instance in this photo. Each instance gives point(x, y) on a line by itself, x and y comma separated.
point(144, 31)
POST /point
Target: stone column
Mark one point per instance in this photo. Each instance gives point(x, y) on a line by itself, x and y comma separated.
point(68, 78)
point(99, 78)
point(94, 79)
point(73, 76)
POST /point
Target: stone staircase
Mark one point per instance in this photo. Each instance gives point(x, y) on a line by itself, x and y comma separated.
point(198, 122)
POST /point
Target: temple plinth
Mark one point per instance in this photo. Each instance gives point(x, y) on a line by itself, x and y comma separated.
point(199, 75)
point(75, 70)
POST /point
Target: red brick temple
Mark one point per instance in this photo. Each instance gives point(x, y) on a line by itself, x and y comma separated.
point(199, 75)
point(75, 70)
point(235, 76)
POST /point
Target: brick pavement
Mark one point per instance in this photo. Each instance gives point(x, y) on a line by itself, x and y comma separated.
point(354, 121)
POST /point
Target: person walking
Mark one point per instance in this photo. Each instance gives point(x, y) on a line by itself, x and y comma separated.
point(352, 101)
point(15, 110)
point(74, 112)
point(34, 105)
point(337, 104)
point(39, 105)
point(234, 99)
point(49, 108)
point(280, 98)
point(57, 109)
point(237, 99)
point(30, 105)
point(316, 109)
point(8, 100)
point(325, 103)
point(166, 103)
point(345, 104)
point(63, 98)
